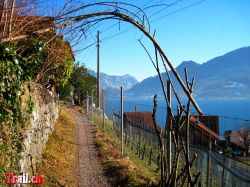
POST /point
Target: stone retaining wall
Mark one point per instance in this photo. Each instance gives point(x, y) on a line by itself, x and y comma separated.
point(43, 117)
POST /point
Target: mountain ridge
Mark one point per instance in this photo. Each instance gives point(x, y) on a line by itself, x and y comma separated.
point(216, 78)
point(111, 84)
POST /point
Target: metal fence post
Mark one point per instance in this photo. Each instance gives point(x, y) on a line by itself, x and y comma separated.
point(209, 161)
point(122, 120)
point(113, 120)
point(103, 112)
point(139, 143)
point(87, 104)
point(130, 132)
point(92, 99)
point(223, 173)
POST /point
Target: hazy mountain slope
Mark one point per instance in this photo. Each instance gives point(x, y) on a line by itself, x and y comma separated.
point(226, 76)
point(115, 82)
point(111, 84)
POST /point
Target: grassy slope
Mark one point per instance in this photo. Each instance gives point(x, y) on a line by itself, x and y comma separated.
point(59, 157)
point(129, 170)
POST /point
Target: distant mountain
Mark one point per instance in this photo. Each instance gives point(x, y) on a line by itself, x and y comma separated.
point(115, 82)
point(111, 84)
point(226, 76)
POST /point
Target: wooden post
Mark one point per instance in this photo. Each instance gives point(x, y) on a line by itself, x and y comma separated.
point(103, 110)
point(98, 69)
point(190, 87)
point(169, 148)
point(209, 161)
point(122, 120)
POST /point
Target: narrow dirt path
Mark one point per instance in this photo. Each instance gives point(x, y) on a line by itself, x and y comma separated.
point(90, 172)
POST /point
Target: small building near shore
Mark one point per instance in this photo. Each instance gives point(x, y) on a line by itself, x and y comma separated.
point(202, 128)
point(144, 119)
point(241, 139)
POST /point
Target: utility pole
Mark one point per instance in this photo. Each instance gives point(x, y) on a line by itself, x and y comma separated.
point(98, 69)
point(169, 144)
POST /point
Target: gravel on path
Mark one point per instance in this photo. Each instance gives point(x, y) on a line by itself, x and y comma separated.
point(90, 171)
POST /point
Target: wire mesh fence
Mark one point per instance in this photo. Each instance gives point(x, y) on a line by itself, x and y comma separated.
point(139, 137)
point(216, 169)
point(223, 171)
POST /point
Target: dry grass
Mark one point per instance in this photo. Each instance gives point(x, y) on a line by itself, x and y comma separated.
point(78, 108)
point(59, 157)
point(127, 173)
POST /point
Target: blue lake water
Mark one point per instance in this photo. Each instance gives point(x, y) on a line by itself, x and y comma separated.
point(233, 114)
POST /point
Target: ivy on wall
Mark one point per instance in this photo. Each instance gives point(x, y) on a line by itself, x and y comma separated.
point(20, 63)
point(15, 69)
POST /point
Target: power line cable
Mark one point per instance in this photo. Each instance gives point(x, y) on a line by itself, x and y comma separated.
point(130, 28)
point(112, 26)
point(144, 6)
point(174, 12)
point(171, 13)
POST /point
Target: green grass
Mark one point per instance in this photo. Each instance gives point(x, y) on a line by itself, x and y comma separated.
point(150, 170)
point(247, 162)
point(244, 160)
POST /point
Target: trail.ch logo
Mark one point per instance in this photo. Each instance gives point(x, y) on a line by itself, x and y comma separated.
point(23, 179)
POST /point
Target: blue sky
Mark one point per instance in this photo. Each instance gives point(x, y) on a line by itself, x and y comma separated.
point(201, 32)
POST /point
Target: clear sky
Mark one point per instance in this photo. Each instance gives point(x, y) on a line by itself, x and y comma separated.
point(190, 30)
